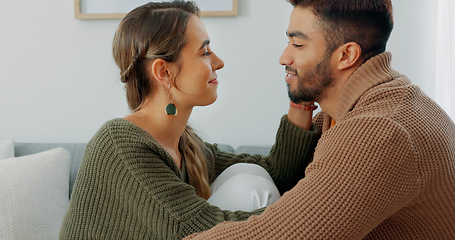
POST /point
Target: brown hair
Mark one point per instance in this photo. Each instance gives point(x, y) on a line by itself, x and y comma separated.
point(366, 22)
point(157, 30)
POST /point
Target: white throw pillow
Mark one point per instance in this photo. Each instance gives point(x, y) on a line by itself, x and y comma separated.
point(34, 195)
point(6, 148)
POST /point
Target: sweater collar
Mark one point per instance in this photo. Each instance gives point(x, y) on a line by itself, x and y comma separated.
point(373, 72)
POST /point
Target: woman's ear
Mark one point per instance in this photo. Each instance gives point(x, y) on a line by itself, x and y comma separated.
point(349, 55)
point(161, 71)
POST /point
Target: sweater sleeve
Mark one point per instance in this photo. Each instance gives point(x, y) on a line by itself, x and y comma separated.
point(127, 189)
point(165, 202)
point(364, 170)
point(288, 157)
point(173, 205)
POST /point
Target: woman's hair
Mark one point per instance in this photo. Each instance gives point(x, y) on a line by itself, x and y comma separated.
point(366, 22)
point(151, 31)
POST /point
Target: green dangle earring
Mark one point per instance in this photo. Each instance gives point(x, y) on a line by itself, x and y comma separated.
point(171, 109)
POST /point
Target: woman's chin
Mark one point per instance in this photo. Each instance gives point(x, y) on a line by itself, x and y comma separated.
point(210, 102)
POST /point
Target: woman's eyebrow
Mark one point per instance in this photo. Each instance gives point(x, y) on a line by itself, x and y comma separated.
point(205, 43)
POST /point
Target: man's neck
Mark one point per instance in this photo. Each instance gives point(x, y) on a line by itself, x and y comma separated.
point(329, 103)
point(331, 98)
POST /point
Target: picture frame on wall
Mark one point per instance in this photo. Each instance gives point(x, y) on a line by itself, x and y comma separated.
point(117, 9)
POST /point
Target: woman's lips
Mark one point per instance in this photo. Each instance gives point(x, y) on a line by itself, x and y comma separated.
point(214, 81)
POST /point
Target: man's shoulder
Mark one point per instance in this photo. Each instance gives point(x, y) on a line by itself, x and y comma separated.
point(388, 99)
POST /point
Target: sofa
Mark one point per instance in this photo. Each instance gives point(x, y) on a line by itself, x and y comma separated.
point(36, 180)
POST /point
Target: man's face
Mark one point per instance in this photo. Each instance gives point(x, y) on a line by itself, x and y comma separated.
point(307, 64)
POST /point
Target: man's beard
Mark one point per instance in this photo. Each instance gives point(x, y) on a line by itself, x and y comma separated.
point(320, 77)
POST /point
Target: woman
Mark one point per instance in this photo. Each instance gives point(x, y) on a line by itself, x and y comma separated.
point(147, 175)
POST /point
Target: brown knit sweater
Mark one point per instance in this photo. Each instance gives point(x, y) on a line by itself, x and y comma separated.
point(386, 170)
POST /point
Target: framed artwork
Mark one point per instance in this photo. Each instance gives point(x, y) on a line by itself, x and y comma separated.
point(117, 9)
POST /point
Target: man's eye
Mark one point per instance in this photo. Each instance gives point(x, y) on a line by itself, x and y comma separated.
point(207, 53)
point(297, 45)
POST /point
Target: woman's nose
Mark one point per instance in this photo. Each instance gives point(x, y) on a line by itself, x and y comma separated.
point(217, 63)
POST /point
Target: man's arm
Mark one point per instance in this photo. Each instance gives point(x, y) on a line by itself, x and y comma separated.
point(363, 171)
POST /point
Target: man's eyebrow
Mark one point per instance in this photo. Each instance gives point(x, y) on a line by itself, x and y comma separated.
point(297, 34)
point(205, 43)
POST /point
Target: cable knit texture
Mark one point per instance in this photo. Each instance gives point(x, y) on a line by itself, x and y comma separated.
point(386, 170)
point(129, 187)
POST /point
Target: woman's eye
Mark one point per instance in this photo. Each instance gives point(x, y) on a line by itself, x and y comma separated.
point(207, 53)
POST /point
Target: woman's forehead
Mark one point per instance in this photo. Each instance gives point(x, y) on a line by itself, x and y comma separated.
point(196, 32)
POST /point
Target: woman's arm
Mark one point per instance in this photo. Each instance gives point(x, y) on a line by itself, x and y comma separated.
point(300, 117)
point(172, 206)
point(288, 158)
point(164, 203)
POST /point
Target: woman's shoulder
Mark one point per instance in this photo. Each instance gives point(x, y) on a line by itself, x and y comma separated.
point(119, 123)
point(121, 127)
point(121, 131)
point(122, 138)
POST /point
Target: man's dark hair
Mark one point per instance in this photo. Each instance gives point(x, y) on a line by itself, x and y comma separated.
point(366, 22)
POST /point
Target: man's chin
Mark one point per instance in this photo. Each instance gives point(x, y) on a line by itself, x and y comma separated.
point(299, 98)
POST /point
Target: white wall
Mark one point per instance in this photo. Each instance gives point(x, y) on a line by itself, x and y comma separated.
point(413, 40)
point(59, 82)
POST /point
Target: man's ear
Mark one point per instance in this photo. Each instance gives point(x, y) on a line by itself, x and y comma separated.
point(348, 55)
point(161, 71)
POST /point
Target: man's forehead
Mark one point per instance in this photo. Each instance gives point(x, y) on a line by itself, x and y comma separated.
point(302, 17)
point(302, 24)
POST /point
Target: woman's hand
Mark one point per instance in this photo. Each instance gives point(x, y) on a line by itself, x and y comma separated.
point(301, 114)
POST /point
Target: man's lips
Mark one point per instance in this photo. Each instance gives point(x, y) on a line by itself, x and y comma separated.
point(289, 77)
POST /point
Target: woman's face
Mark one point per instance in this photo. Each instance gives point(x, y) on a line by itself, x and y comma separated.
point(196, 83)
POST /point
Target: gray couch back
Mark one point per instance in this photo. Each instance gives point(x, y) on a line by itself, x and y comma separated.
point(76, 151)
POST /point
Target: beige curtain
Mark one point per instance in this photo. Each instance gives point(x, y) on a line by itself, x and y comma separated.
point(445, 56)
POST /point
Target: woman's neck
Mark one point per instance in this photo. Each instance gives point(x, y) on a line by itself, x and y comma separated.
point(166, 130)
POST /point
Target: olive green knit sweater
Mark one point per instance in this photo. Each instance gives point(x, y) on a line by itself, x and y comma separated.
point(386, 170)
point(129, 187)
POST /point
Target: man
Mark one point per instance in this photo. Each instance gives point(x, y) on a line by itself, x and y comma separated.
point(384, 167)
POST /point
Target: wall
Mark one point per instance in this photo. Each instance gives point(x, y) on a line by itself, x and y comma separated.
point(413, 40)
point(59, 82)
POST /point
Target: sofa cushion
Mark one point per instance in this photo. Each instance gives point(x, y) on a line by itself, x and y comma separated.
point(76, 151)
point(6, 148)
point(226, 148)
point(253, 149)
point(34, 195)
